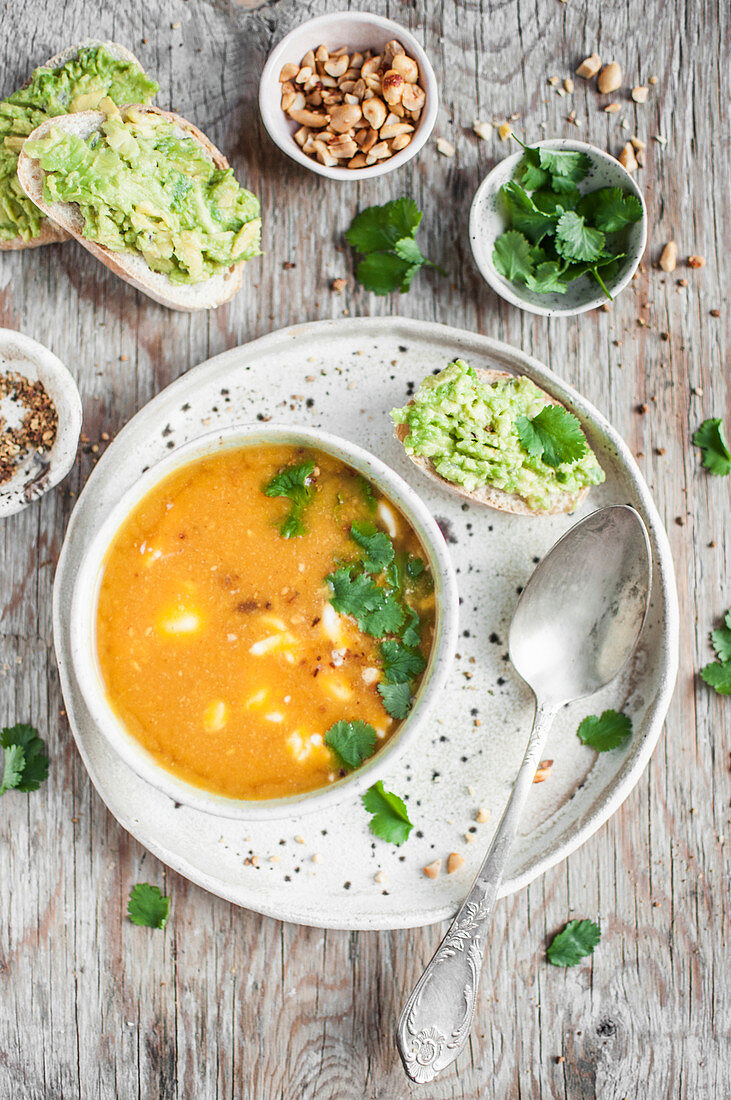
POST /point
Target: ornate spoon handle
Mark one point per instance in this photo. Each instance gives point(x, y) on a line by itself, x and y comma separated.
point(437, 1018)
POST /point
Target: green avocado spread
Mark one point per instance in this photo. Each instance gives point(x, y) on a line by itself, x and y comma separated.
point(144, 187)
point(78, 85)
point(469, 430)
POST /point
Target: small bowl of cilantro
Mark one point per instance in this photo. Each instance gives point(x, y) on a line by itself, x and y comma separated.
point(558, 228)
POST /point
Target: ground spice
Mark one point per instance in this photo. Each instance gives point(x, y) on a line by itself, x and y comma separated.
point(37, 429)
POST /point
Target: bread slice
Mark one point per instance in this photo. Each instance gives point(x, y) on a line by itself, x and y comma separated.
point(130, 266)
point(488, 494)
point(50, 232)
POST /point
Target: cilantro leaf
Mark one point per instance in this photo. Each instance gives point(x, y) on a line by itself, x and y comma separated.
point(377, 545)
point(548, 277)
point(376, 611)
point(711, 438)
point(354, 595)
point(530, 174)
point(575, 240)
point(384, 272)
point(524, 214)
point(554, 434)
point(611, 208)
point(578, 938)
point(35, 761)
point(511, 256)
point(721, 639)
point(412, 632)
point(13, 764)
point(564, 164)
point(400, 664)
point(293, 482)
point(607, 732)
point(415, 567)
point(378, 228)
point(567, 189)
point(396, 699)
point(148, 906)
point(386, 619)
point(718, 676)
point(390, 820)
point(352, 742)
point(551, 203)
point(408, 250)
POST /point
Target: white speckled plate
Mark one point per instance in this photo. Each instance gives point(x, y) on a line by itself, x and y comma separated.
point(345, 376)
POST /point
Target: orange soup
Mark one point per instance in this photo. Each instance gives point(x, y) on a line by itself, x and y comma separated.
point(264, 620)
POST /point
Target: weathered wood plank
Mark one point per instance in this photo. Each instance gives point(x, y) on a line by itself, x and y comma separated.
point(225, 1003)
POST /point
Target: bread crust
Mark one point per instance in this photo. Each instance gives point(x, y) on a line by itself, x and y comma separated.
point(489, 495)
point(50, 232)
point(130, 266)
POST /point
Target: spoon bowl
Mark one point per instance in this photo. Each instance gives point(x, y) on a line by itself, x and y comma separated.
point(580, 615)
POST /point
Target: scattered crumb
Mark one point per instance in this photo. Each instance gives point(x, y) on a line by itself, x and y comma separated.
point(569, 85)
point(696, 261)
point(299, 839)
point(446, 148)
point(504, 131)
point(316, 857)
point(470, 838)
point(338, 285)
point(483, 815)
point(380, 877)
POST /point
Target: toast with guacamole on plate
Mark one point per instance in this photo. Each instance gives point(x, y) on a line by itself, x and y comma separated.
point(75, 80)
point(150, 196)
point(499, 440)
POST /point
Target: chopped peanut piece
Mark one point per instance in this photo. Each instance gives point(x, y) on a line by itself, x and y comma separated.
point(432, 869)
point(446, 148)
point(454, 862)
point(590, 66)
point(610, 78)
point(483, 815)
point(628, 159)
point(542, 771)
point(669, 257)
point(504, 131)
point(483, 129)
point(640, 94)
point(696, 261)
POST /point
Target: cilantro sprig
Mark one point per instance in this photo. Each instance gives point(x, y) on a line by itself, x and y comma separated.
point(608, 731)
point(148, 906)
point(715, 453)
point(390, 821)
point(717, 674)
point(23, 760)
point(554, 435)
point(386, 236)
point(372, 590)
point(294, 483)
point(352, 742)
point(570, 946)
point(554, 233)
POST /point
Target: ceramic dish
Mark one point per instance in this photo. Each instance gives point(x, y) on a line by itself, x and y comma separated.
point(468, 752)
point(487, 223)
point(359, 31)
point(86, 595)
point(36, 474)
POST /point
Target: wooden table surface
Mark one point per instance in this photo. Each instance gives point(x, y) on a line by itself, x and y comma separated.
point(225, 1003)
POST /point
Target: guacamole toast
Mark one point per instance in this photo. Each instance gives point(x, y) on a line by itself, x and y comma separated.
point(491, 495)
point(185, 261)
point(29, 105)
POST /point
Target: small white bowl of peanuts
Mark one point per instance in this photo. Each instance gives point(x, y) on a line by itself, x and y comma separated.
point(349, 95)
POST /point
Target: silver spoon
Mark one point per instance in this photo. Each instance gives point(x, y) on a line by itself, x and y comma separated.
point(577, 622)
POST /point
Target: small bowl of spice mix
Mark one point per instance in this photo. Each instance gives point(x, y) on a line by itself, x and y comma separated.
point(349, 95)
point(40, 421)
